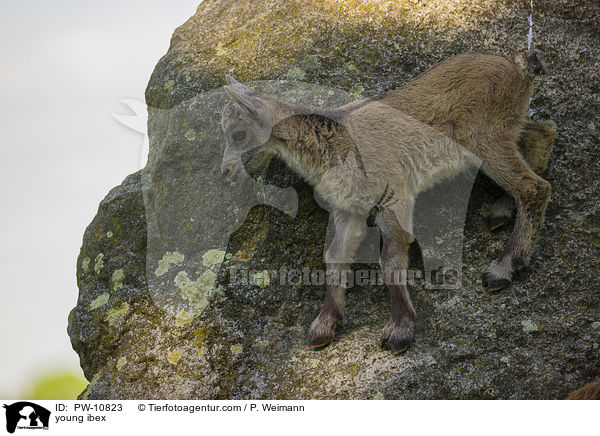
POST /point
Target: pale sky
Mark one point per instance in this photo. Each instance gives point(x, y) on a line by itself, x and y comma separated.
point(64, 68)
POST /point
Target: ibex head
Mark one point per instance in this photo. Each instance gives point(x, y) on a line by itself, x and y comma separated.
point(247, 122)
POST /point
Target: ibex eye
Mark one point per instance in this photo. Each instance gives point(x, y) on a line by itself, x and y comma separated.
point(239, 136)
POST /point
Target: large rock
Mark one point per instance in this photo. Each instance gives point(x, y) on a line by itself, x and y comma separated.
point(159, 315)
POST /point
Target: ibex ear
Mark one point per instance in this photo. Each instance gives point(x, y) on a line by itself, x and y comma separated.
point(233, 82)
point(239, 93)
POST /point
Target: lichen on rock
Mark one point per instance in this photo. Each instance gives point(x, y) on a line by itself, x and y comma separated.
point(169, 259)
point(98, 263)
point(213, 258)
point(101, 300)
point(112, 315)
point(117, 278)
point(198, 292)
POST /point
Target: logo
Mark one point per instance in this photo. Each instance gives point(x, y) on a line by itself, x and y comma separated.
point(26, 415)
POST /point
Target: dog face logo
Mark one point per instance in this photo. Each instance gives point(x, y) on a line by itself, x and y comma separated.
point(24, 414)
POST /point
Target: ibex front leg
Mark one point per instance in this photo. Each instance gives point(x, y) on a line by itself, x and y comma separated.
point(350, 230)
point(398, 333)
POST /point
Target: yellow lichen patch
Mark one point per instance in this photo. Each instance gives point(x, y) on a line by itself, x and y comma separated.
point(117, 278)
point(121, 363)
point(191, 291)
point(183, 318)
point(101, 300)
point(182, 279)
point(236, 349)
point(207, 279)
point(529, 326)
point(262, 278)
point(220, 49)
point(200, 292)
point(170, 258)
point(85, 264)
point(261, 342)
point(201, 351)
point(115, 313)
point(169, 84)
point(190, 135)
point(98, 263)
point(174, 357)
point(213, 257)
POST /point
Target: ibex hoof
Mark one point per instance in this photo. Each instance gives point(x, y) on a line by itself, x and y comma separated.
point(319, 338)
point(492, 284)
point(317, 344)
point(497, 222)
point(399, 351)
point(396, 347)
point(521, 271)
point(397, 337)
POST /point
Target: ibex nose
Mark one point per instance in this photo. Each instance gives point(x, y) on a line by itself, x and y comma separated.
point(229, 170)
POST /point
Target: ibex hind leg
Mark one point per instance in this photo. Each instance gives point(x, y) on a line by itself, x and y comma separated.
point(535, 145)
point(507, 168)
point(350, 230)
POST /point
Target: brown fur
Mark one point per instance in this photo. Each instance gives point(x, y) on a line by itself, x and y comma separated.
point(317, 139)
point(588, 392)
point(535, 145)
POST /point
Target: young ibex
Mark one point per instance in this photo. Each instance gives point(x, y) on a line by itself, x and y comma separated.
point(357, 160)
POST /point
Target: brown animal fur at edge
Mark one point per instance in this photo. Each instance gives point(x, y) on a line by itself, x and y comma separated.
point(588, 392)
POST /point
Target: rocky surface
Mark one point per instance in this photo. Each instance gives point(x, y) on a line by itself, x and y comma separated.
point(159, 315)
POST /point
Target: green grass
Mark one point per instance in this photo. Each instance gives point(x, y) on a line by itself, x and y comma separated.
point(58, 385)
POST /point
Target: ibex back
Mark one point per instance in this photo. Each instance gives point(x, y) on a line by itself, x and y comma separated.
point(371, 158)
